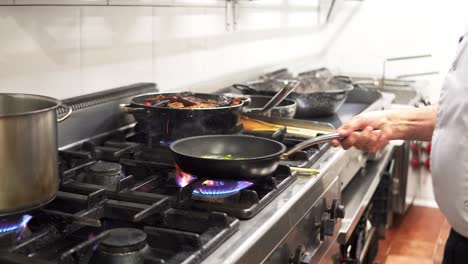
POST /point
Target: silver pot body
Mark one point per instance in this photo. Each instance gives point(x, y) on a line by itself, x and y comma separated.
point(28, 152)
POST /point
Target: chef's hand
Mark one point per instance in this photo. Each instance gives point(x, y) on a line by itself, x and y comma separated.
point(369, 131)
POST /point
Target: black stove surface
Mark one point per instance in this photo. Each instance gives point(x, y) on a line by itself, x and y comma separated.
point(148, 171)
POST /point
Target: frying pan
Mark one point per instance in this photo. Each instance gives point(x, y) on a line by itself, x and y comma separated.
point(313, 98)
point(253, 157)
point(287, 108)
point(276, 105)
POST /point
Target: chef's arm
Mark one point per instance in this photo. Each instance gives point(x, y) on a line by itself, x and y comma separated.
point(371, 131)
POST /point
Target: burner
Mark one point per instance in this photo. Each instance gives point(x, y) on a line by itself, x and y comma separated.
point(165, 143)
point(183, 178)
point(220, 189)
point(122, 245)
point(12, 229)
point(105, 173)
point(14, 224)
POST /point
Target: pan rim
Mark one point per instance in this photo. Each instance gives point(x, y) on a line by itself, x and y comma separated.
point(132, 100)
point(276, 154)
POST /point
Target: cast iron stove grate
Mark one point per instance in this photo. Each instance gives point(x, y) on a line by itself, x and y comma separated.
point(148, 171)
point(83, 228)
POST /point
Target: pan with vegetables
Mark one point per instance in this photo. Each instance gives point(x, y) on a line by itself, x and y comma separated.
point(235, 156)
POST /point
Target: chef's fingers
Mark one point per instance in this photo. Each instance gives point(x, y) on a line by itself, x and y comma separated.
point(356, 123)
point(335, 143)
point(350, 140)
point(368, 139)
point(384, 137)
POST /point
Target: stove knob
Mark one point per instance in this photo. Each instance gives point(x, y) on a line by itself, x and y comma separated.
point(327, 226)
point(306, 258)
point(336, 210)
point(296, 257)
point(340, 211)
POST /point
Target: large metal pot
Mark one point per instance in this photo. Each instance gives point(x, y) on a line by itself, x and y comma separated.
point(28, 151)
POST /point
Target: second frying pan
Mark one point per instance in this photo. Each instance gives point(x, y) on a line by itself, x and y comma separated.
point(235, 156)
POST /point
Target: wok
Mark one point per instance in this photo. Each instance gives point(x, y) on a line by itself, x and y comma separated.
point(160, 122)
point(169, 124)
point(252, 157)
point(314, 98)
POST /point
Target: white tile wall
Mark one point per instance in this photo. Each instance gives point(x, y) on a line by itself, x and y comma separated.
point(206, 3)
point(116, 46)
point(95, 48)
point(66, 51)
point(141, 2)
point(39, 50)
point(6, 2)
point(61, 2)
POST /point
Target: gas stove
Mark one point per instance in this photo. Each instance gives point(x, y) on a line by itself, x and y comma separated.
point(122, 199)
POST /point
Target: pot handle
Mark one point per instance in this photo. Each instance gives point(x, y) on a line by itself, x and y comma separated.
point(311, 142)
point(245, 88)
point(125, 108)
point(245, 98)
point(69, 112)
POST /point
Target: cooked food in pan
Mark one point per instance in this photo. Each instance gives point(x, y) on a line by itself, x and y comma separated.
point(225, 157)
point(190, 101)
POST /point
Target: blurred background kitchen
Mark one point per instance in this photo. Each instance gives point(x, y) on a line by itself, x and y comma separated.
point(67, 48)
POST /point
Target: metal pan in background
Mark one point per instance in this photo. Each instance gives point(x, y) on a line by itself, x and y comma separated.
point(287, 108)
point(319, 93)
point(276, 105)
point(253, 157)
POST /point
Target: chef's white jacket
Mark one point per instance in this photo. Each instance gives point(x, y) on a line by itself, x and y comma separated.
point(449, 156)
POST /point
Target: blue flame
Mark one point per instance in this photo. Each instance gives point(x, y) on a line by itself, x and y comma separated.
point(9, 227)
point(183, 179)
point(221, 188)
point(165, 143)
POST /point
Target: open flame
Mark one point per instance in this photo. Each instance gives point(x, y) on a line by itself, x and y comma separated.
point(183, 178)
point(165, 143)
point(17, 226)
point(213, 188)
point(220, 188)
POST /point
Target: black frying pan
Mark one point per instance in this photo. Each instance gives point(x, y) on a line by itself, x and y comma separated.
point(252, 157)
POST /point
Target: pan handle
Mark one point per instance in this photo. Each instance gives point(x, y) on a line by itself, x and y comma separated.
point(245, 88)
point(288, 87)
point(311, 142)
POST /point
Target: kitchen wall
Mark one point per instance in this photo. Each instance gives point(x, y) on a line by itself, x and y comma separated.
point(64, 51)
point(73, 47)
point(384, 29)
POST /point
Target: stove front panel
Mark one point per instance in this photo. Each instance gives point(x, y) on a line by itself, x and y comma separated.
point(313, 235)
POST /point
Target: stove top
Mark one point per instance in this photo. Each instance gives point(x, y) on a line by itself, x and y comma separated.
point(122, 200)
